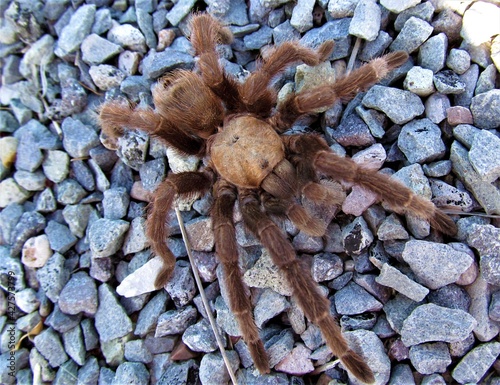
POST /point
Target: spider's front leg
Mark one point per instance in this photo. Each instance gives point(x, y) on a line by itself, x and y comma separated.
point(227, 251)
point(399, 197)
point(344, 89)
point(181, 185)
point(315, 306)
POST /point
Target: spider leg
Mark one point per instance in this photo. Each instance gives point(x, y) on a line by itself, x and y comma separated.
point(226, 247)
point(282, 185)
point(315, 306)
point(345, 88)
point(114, 116)
point(206, 33)
point(256, 95)
point(398, 196)
point(183, 184)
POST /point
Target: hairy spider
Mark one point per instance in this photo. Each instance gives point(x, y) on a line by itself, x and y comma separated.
point(237, 129)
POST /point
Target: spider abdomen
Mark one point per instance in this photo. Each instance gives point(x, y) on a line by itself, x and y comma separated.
point(246, 150)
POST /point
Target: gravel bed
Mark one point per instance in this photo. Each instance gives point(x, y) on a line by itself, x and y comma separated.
point(75, 268)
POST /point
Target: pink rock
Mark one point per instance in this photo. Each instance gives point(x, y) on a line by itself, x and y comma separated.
point(459, 115)
point(297, 362)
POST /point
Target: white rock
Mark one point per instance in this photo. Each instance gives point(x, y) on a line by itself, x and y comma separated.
point(36, 251)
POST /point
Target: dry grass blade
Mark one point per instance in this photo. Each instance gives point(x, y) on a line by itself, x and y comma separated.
point(325, 367)
point(471, 214)
point(354, 53)
point(204, 298)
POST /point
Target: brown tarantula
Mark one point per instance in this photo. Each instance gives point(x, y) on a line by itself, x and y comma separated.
point(237, 129)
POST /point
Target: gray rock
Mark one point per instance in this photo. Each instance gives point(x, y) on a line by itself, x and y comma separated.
point(148, 317)
point(423, 11)
point(371, 349)
point(74, 345)
point(30, 181)
point(180, 10)
point(494, 309)
point(432, 54)
point(30, 224)
point(469, 78)
point(145, 22)
point(128, 37)
point(200, 337)
point(137, 351)
point(448, 82)
point(77, 218)
point(419, 81)
point(437, 169)
point(7, 122)
point(56, 166)
point(431, 322)
point(175, 321)
point(115, 203)
point(484, 107)
point(106, 236)
point(475, 364)
point(269, 305)
point(402, 374)
point(46, 201)
point(89, 372)
point(435, 265)
point(420, 141)
point(131, 373)
point(111, 321)
point(213, 370)
point(53, 276)
point(392, 277)
point(326, 267)
point(133, 148)
point(181, 286)
point(337, 30)
point(375, 48)
point(60, 237)
point(430, 357)
point(28, 157)
point(49, 345)
point(153, 173)
point(69, 192)
point(414, 32)
point(96, 50)
point(458, 60)
point(79, 295)
point(156, 64)
point(398, 309)
point(26, 300)
point(398, 6)
point(284, 32)
point(400, 106)
point(352, 131)
point(356, 236)
point(366, 21)
point(451, 296)
point(76, 30)
point(258, 39)
point(391, 228)
point(302, 15)
point(83, 175)
point(62, 322)
point(279, 346)
point(352, 299)
point(135, 239)
point(106, 76)
point(78, 139)
point(485, 82)
point(486, 194)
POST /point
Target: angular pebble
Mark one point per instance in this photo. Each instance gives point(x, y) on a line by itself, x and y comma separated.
point(484, 108)
point(131, 373)
point(79, 295)
point(392, 277)
point(76, 30)
point(49, 345)
point(399, 105)
point(353, 299)
point(96, 50)
point(448, 82)
point(432, 54)
point(366, 20)
point(475, 363)
point(414, 32)
point(111, 320)
point(435, 265)
point(431, 322)
point(420, 141)
point(430, 358)
point(53, 276)
point(106, 236)
point(60, 237)
point(78, 139)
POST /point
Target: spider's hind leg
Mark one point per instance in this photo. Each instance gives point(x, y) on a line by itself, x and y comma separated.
point(227, 251)
point(399, 197)
point(183, 184)
point(315, 306)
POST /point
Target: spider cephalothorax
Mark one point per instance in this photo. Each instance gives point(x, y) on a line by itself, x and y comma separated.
point(237, 129)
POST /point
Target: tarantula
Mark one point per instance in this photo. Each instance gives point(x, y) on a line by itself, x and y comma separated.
point(237, 129)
